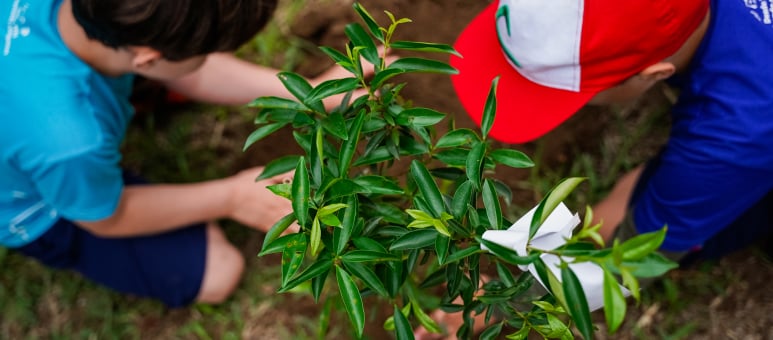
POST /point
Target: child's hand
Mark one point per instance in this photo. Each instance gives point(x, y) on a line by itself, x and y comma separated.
point(256, 206)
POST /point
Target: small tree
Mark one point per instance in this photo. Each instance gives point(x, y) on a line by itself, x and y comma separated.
point(397, 232)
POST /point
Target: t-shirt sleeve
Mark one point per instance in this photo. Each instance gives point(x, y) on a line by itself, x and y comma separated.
point(85, 186)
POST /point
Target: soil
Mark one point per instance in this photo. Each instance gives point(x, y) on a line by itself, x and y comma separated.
point(730, 299)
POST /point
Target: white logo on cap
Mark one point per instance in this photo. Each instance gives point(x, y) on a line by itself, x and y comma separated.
point(543, 48)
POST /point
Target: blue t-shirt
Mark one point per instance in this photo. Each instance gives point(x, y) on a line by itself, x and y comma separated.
point(61, 126)
point(718, 161)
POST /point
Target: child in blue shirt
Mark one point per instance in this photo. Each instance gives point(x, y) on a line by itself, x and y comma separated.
point(67, 68)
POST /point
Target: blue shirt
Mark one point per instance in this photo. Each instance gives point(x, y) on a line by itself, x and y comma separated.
point(718, 161)
point(61, 126)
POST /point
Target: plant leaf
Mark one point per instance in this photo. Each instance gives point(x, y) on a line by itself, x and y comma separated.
point(374, 28)
point(415, 239)
point(350, 145)
point(428, 187)
point(300, 88)
point(342, 235)
point(424, 47)
point(360, 38)
point(474, 162)
point(403, 330)
point(352, 300)
point(261, 133)
point(318, 268)
point(508, 255)
point(643, 244)
point(276, 230)
point(277, 103)
point(490, 109)
point(300, 192)
point(340, 58)
point(279, 166)
point(368, 256)
point(419, 116)
point(614, 303)
point(576, 302)
point(422, 65)
point(379, 185)
point(292, 257)
point(551, 201)
point(456, 138)
point(491, 203)
point(511, 158)
point(332, 87)
point(368, 276)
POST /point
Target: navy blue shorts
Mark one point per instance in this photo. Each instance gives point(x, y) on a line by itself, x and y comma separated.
point(168, 266)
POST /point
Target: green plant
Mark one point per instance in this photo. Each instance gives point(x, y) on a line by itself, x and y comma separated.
point(389, 206)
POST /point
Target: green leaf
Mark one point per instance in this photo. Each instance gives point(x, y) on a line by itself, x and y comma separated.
point(318, 268)
point(352, 300)
point(382, 76)
point(350, 145)
point(551, 201)
point(453, 157)
point(332, 87)
point(292, 257)
point(505, 275)
point(652, 265)
point(335, 124)
point(521, 334)
point(299, 88)
point(508, 255)
point(442, 244)
point(415, 239)
point(330, 209)
point(491, 203)
point(368, 276)
point(576, 302)
point(376, 156)
point(419, 117)
point(428, 187)
point(300, 192)
point(461, 200)
point(276, 230)
point(424, 47)
point(474, 162)
point(315, 237)
point(614, 303)
point(403, 329)
point(422, 65)
point(490, 109)
point(492, 332)
point(342, 235)
point(511, 158)
point(261, 133)
point(278, 245)
point(279, 166)
point(461, 254)
point(424, 319)
point(458, 137)
point(643, 244)
point(374, 28)
point(379, 185)
point(277, 103)
point(340, 58)
point(368, 256)
point(360, 38)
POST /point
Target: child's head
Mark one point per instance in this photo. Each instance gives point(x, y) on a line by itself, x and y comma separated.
point(554, 56)
point(178, 29)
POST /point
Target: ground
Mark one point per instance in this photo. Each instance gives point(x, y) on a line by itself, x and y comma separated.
point(725, 300)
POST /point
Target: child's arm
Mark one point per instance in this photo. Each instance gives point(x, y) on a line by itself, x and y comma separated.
point(149, 209)
point(226, 79)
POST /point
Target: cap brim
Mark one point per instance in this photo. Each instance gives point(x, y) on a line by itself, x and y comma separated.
point(525, 110)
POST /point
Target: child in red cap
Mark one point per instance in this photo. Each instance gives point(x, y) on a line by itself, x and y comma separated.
point(712, 183)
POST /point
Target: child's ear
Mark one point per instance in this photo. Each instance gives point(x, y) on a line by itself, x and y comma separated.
point(659, 71)
point(143, 57)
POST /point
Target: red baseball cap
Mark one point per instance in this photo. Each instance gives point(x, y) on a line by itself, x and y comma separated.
point(553, 56)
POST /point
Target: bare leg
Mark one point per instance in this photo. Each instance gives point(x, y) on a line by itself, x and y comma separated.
point(612, 209)
point(223, 269)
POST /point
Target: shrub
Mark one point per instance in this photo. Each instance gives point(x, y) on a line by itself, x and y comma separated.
point(389, 208)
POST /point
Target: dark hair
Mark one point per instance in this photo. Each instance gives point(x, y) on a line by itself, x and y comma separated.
point(178, 29)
